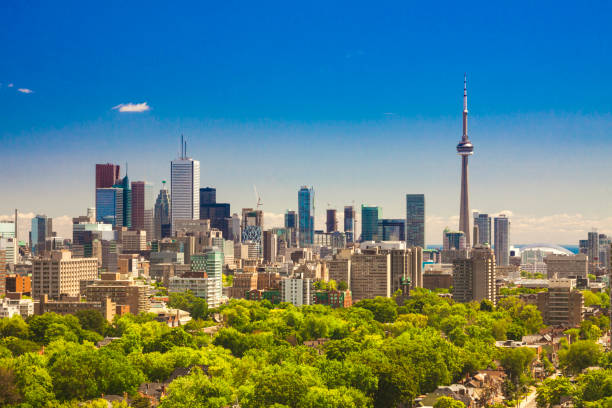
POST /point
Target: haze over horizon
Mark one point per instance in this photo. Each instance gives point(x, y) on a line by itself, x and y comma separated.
point(363, 104)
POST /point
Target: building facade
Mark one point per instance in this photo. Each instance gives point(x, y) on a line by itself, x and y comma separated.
point(306, 216)
point(184, 189)
point(415, 220)
point(502, 240)
point(474, 278)
point(60, 274)
point(349, 223)
point(369, 222)
point(483, 221)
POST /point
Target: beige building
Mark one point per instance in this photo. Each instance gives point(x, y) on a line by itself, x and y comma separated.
point(406, 264)
point(566, 266)
point(370, 275)
point(474, 278)
point(340, 270)
point(243, 283)
point(60, 274)
point(124, 292)
point(133, 240)
point(73, 304)
point(562, 305)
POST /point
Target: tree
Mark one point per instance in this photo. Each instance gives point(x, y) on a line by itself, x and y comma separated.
point(580, 355)
point(342, 286)
point(92, 320)
point(447, 402)
point(552, 389)
point(198, 390)
point(516, 361)
point(197, 307)
point(486, 305)
point(384, 309)
point(9, 393)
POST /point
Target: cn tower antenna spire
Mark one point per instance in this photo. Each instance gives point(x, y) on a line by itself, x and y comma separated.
point(465, 148)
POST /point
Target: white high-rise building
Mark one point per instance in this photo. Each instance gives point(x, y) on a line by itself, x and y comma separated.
point(184, 188)
point(502, 240)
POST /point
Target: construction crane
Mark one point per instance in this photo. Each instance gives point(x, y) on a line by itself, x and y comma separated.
point(257, 197)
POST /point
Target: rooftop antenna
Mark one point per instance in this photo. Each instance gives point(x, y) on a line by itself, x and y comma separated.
point(181, 155)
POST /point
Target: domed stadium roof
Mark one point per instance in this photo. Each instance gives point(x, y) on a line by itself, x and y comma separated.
point(553, 249)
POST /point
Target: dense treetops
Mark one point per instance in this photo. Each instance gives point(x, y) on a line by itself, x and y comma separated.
point(376, 354)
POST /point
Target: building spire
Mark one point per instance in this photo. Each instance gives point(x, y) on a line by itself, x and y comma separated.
point(464, 137)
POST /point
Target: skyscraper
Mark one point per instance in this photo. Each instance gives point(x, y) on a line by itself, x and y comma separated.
point(483, 221)
point(184, 188)
point(208, 195)
point(391, 230)
point(349, 223)
point(124, 184)
point(106, 175)
point(306, 216)
point(465, 149)
point(290, 219)
point(369, 222)
point(42, 228)
point(142, 206)
point(415, 220)
point(502, 238)
point(331, 221)
point(109, 206)
point(162, 213)
point(593, 251)
point(218, 213)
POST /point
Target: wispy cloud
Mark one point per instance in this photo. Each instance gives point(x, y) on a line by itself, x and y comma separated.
point(10, 85)
point(132, 107)
point(24, 90)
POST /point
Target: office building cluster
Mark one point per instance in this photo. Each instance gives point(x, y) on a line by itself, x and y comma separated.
point(136, 246)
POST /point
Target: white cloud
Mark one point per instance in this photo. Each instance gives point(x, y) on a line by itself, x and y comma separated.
point(25, 90)
point(273, 220)
point(132, 107)
point(10, 85)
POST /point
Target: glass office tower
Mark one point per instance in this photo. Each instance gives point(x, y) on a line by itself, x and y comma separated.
point(369, 222)
point(415, 220)
point(306, 216)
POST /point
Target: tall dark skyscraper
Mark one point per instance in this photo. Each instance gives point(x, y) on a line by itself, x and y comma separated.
point(290, 219)
point(349, 223)
point(162, 214)
point(415, 220)
point(218, 213)
point(306, 216)
point(369, 222)
point(124, 184)
point(465, 148)
point(106, 175)
point(138, 205)
point(331, 221)
point(208, 195)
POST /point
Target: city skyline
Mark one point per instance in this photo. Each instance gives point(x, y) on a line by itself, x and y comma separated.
point(309, 114)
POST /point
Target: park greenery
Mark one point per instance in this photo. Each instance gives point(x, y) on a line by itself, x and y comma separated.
point(376, 353)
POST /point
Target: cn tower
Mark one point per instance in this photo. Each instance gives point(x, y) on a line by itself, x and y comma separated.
point(465, 148)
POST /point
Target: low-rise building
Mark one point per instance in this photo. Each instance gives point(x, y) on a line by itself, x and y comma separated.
point(124, 292)
point(72, 304)
point(13, 305)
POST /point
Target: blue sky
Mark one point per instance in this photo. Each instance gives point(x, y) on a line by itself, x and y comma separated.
point(360, 99)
